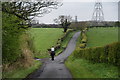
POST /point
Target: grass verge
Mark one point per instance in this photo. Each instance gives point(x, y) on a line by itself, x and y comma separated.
point(24, 65)
point(21, 72)
point(86, 69)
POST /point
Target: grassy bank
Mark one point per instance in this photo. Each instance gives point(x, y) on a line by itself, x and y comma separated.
point(21, 72)
point(85, 69)
point(101, 36)
point(23, 65)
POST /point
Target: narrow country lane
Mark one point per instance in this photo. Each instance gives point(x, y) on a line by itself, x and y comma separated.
point(56, 68)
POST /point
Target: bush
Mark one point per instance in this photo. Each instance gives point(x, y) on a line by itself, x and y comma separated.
point(65, 34)
point(57, 46)
point(77, 52)
point(60, 40)
point(96, 54)
point(106, 54)
point(10, 38)
point(103, 55)
point(86, 29)
point(117, 51)
point(82, 45)
point(84, 38)
point(112, 57)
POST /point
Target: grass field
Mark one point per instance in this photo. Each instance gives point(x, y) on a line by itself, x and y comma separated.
point(45, 38)
point(101, 36)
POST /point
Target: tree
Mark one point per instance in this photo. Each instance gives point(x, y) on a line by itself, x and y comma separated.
point(117, 23)
point(30, 9)
point(83, 25)
point(64, 21)
point(14, 15)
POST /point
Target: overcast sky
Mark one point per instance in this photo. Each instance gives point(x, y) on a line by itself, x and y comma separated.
point(83, 9)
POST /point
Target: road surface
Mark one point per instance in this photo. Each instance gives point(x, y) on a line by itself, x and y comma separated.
point(56, 68)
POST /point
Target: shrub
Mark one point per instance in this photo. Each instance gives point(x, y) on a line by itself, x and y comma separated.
point(86, 29)
point(65, 34)
point(59, 42)
point(112, 53)
point(106, 54)
point(84, 38)
point(118, 54)
point(57, 46)
point(103, 55)
point(77, 53)
point(10, 37)
point(96, 54)
point(82, 45)
point(87, 53)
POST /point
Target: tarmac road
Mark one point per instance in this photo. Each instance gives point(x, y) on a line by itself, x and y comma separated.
point(56, 68)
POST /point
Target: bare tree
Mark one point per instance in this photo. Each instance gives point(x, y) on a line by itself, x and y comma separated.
point(27, 10)
point(64, 21)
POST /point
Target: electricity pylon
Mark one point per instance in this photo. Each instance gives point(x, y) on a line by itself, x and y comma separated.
point(98, 15)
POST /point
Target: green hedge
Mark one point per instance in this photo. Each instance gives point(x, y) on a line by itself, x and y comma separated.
point(10, 38)
point(65, 34)
point(83, 39)
point(82, 45)
point(58, 45)
point(107, 54)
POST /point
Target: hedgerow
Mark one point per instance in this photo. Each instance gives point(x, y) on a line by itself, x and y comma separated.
point(83, 38)
point(58, 45)
point(10, 37)
point(107, 54)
